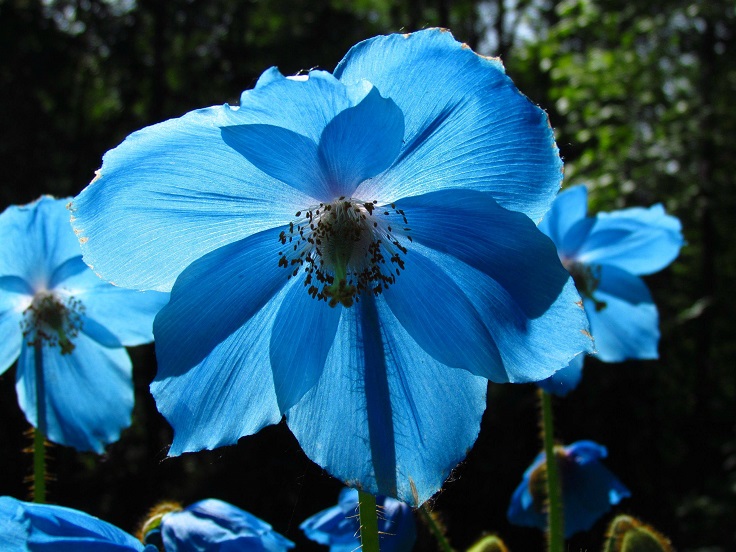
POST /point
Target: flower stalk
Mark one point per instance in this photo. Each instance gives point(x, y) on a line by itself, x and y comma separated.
point(39, 434)
point(555, 521)
point(436, 528)
point(368, 522)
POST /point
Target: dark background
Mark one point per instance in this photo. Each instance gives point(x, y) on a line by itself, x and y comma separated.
point(641, 96)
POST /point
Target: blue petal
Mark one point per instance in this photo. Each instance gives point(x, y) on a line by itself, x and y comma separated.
point(360, 143)
point(567, 379)
point(442, 320)
point(42, 527)
point(171, 193)
point(303, 333)
point(521, 511)
point(216, 525)
point(228, 300)
point(566, 223)
point(391, 419)
point(15, 298)
point(637, 240)
point(37, 240)
point(509, 272)
point(339, 528)
point(467, 126)
point(88, 393)
point(113, 316)
point(628, 325)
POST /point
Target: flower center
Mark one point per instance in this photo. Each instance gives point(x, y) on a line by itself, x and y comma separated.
point(586, 278)
point(53, 320)
point(538, 479)
point(344, 248)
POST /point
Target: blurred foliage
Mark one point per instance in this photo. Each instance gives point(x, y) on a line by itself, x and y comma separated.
point(641, 97)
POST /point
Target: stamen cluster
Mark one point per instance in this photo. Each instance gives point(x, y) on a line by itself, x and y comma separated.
point(53, 320)
point(345, 248)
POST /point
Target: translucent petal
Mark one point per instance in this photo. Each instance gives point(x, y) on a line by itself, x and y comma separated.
point(637, 240)
point(43, 527)
point(628, 325)
point(386, 415)
point(442, 320)
point(171, 193)
point(37, 240)
point(15, 298)
point(569, 207)
point(467, 126)
point(228, 300)
point(360, 143)
point(88, 393)
point(302, 336)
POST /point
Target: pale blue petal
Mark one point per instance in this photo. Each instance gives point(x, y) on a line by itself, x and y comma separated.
point(171, 193)
point(15, 298)
point(637, 240)
point(569, 207)
point(385, 415)
point(567, 379)
point(467, 126)
point(89, 393)
point(37, 238)
point(360, 143)
point(112, 316)
point(303, 333)
point(451, 330)
point(628, 325)
point(212, 345)
point(47, 528)
point(508, 270)
point(212, 524)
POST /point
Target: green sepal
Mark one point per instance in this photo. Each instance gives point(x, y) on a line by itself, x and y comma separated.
point(490, 543)
point(628, 534)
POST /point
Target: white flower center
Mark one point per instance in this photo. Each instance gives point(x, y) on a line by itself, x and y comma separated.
point(345, 248)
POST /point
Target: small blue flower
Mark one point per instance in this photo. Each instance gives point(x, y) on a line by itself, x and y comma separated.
point(55, 310)
point(339, 527)
point(25, 526)
point(210, 525)
point(355, 252)
point(589, 489)
point(605, 255)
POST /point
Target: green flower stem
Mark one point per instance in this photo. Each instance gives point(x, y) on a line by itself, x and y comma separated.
point(555, 522)
point(435, 528)
point(368, 522)
point(39, 433)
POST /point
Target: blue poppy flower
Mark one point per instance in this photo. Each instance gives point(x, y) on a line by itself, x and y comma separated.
point(55, 310)
point(355, 252)
point(212, 524)
point(26, 526)
point(589, 489)
point(606, 254)
point(339, 527)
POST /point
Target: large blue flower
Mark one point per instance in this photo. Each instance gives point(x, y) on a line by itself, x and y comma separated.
point(589, 489)
point(211, 524)
point(606, 254)
point(58, 317)
point(339, 527)
point(25, 526)
point(354, 251)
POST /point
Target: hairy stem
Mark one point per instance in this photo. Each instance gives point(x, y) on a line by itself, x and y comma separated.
point(368, 522)
point(555, 521)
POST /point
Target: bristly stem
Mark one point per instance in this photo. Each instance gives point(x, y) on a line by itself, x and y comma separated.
point(555, 521)
point(368, 522)
point(435, 528)
point(39, 434)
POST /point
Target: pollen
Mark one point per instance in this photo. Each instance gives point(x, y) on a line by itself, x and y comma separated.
point(345, 248)
point(53, 320)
